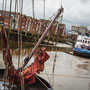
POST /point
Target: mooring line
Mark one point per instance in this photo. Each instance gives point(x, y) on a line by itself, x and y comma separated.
point(68, 76)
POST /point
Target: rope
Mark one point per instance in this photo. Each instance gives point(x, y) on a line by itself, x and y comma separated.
point(20, 28)
point(55, 54)
point(3, 13)
point(22, 81)
point(10, 17)
point(20, 32)
point(47, 76)
point(6, 69)
point(15, 13)
point(67, 76)
point(20, 47)
point(1, 62)
point(14, 22)
point(55, 57)
point(54, 68)
point(5, 58)
point(42, 82)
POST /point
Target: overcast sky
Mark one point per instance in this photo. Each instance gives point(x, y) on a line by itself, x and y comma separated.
point(76, 12)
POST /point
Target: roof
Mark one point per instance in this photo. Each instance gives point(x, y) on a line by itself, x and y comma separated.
point(79, 26)
point(83, 37)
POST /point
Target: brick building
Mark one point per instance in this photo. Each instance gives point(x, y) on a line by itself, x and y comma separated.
point(80, 29)
point(30, 25)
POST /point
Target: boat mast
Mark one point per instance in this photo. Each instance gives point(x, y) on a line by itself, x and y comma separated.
point(44, 9)
point(33, 8)
point(26, 60)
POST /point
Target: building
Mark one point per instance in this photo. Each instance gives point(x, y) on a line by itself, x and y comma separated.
point(89, 33)
point(79, 29)
point(15, 22)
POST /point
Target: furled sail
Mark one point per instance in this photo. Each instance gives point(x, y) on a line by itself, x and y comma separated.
point(13, 75)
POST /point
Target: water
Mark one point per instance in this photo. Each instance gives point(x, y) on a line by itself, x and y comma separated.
point(71, 72)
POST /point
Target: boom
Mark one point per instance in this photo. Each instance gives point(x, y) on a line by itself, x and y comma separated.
point(26, 60)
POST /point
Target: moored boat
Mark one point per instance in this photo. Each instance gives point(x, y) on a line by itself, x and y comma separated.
point(82, 46)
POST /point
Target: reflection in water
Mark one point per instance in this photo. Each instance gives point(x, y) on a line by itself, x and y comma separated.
point(24, 52)
point(75, 62)
point(82, 64)
point(89, 86)
point(68, 69)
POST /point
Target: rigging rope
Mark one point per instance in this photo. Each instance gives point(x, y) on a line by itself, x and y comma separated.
point(20, 32)
point(3, 15)
point(10, 17)
point(20, 47)
point(56, 41)
point(15, 14)
point(53, 69)
point(47, 76)
point(41, 82)
point(14, 23)
point(6, 64)
point(6, 68)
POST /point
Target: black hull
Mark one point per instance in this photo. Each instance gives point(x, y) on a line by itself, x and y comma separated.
point(81, 54)
point(36, 86)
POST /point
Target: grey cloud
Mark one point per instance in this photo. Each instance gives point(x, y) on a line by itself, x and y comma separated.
point(85, 1)
point(75, 11)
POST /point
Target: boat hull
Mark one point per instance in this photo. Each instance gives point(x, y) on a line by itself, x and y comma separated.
point(82, 52)
point(36, 86)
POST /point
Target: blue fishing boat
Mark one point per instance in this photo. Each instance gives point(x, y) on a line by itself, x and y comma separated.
point(82, 46)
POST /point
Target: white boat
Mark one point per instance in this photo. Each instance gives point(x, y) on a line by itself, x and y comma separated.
point(82, 46)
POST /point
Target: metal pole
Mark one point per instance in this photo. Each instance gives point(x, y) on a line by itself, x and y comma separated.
point(26, 60)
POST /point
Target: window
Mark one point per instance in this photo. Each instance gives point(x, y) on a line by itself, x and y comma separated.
point(88, 42)
point(85, 41)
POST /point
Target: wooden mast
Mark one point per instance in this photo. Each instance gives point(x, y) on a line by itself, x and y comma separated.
point(26, 60)
point(44, 9)
point(33, 8)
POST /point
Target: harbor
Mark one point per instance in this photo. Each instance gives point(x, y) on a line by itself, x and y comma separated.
point(67, 71)
point(44, 45)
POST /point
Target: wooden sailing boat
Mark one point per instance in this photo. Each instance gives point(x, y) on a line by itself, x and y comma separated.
point(26, 76)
